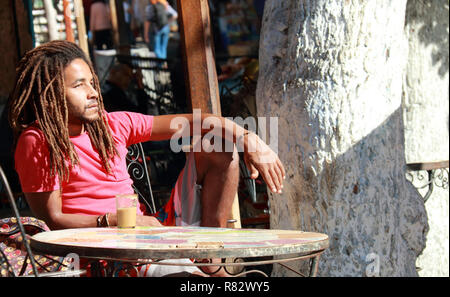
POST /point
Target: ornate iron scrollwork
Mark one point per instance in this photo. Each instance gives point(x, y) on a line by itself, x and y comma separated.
point(428, 175)
point(137, 168)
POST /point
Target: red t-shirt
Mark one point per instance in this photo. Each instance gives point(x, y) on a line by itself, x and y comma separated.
point(90, 189)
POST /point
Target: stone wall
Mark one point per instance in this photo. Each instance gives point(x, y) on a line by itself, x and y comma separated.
point(426, 117)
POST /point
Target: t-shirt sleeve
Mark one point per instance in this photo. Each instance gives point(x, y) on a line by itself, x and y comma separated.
point(32, 162)
point(130, 127)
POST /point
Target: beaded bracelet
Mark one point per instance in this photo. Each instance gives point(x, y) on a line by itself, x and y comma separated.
point(103, 220)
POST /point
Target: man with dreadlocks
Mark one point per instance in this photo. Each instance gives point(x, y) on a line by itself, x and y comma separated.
point(70, 153)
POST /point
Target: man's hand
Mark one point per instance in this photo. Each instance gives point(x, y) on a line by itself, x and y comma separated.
point(261, 159)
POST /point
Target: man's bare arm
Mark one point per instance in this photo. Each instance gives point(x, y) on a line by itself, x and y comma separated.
point(47, 206)
point(146, 31)
point(162, 130)
point(258, 157)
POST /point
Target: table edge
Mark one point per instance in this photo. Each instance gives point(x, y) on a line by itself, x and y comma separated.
point(59, 249)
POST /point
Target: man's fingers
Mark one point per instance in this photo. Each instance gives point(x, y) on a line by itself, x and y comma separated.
point(279, 176)
point(275, 179)
point(269, 180)
point(270, 167)
point(280, 165)
point(280, 171)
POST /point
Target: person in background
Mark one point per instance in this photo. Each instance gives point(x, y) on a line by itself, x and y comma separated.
point(128, 17)
point(100, 25)
point(158, 17)
point(138, 19)
point(115, 90)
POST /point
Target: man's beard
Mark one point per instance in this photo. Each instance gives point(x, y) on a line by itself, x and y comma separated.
point(85, 117)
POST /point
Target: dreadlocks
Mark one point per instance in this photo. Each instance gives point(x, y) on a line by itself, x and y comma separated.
point(39, 95)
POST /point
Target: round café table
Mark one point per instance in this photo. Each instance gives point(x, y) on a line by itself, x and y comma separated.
point(148, 244)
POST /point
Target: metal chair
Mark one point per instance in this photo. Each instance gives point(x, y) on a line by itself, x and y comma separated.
point(249, 182)
point(138, 170)
point(156, 77)
point(30, 255)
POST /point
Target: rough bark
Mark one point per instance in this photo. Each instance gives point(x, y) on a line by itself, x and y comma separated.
point(332, 72)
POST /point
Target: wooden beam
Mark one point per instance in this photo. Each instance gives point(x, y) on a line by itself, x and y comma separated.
point(81, 25)
point(50, 14)
point(200, 66)
point(114, 23)
point(120, 37)
point(23, 23)
point(68, 21)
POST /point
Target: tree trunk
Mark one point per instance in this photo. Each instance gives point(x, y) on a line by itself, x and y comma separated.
point(426, 117)
point(332, 72)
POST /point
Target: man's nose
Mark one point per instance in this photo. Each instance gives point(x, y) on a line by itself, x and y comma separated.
point(92, 92)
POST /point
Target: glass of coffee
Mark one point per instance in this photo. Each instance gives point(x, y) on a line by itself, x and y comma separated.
point(126, 209)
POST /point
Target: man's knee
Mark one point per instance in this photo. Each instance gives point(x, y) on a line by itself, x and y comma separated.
point(226, 162)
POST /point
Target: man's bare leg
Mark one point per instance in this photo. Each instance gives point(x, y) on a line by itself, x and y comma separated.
point(218, 173)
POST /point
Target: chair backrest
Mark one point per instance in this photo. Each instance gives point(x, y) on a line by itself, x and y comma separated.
point(138, 170)
point(157, 80)
point(249, 182)
point(46, 262)
point(13, 205)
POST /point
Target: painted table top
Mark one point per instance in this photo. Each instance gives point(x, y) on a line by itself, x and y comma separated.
point(177, 242)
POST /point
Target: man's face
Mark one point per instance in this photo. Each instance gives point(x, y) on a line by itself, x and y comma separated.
point(81, 96)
